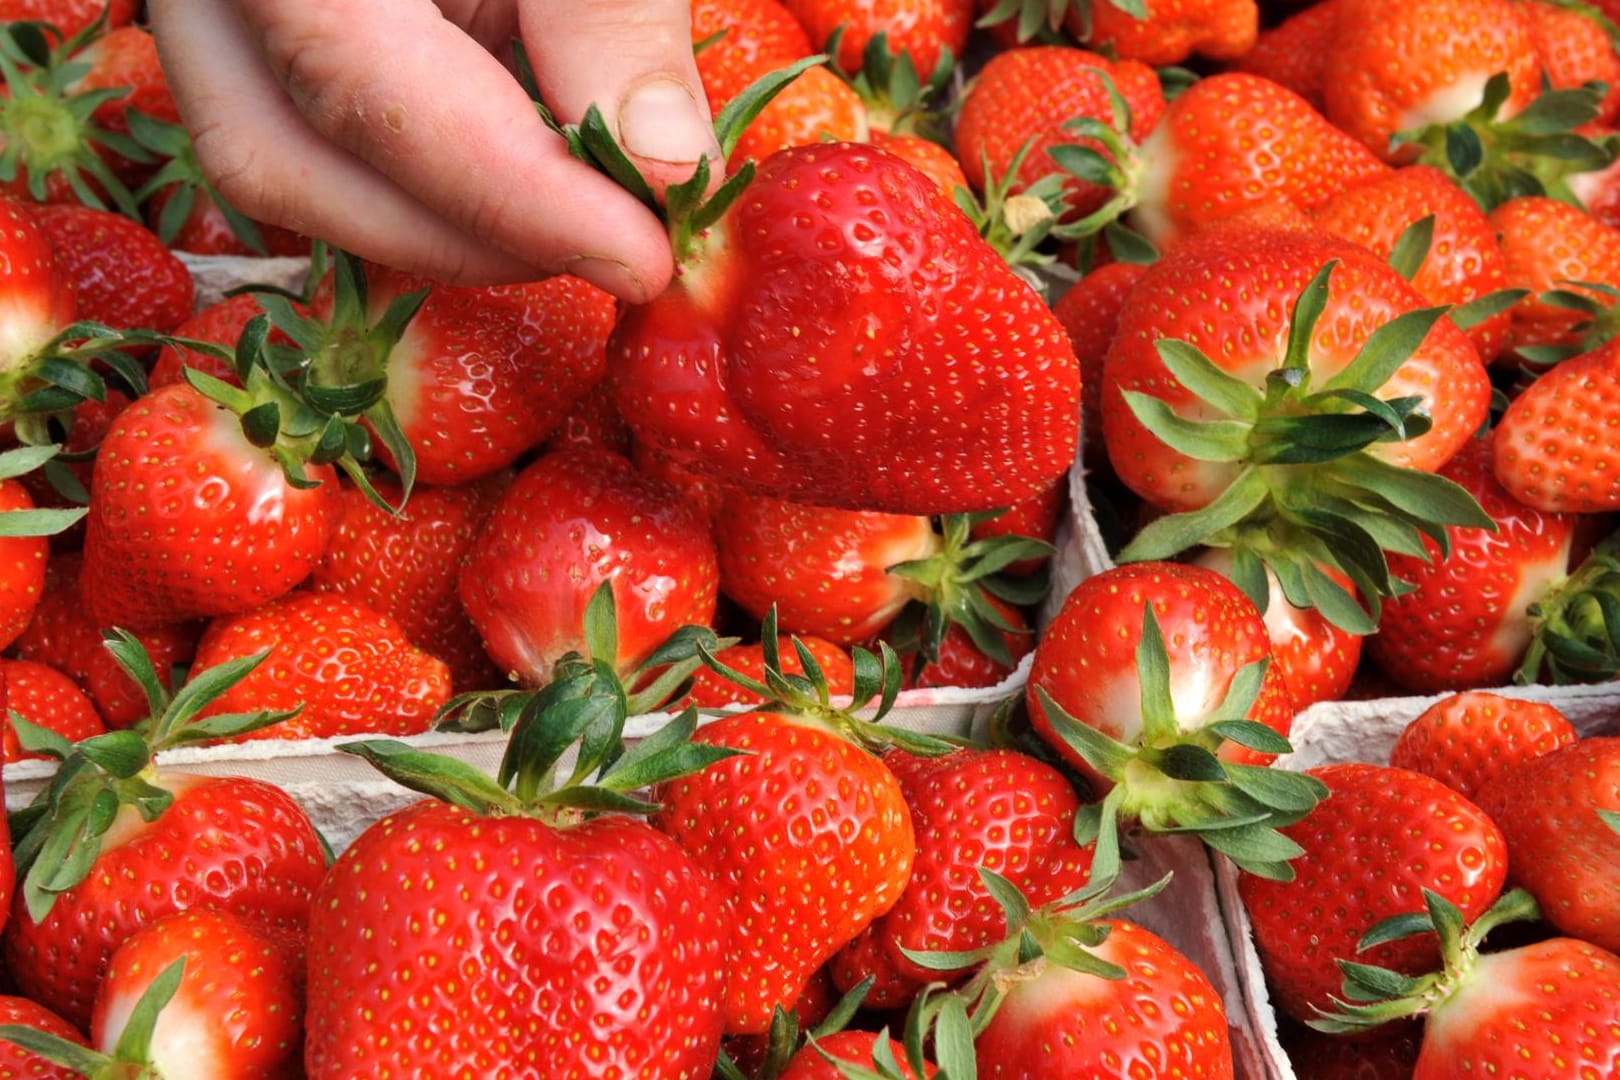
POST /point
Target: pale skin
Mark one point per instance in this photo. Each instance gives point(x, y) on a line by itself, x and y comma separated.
point(395, 128)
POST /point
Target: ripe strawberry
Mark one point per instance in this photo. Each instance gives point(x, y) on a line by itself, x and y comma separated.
point(816, 107)
point(824, 570)
point(534, 902)
point(1552, 447)
point(186, 841)
point(22, 564)
point(17, 1063)
point(996, 809)
point(742, 39)
point(924, 155)
point(924, 28)
point(815, 372)
point(70, 16)
point(1378, 839)
point(711, 690)
point(1557, 813)
point(1022, 101)
point(961, 662)
point(1173, 30)
point(236, 533)
point(39, 301)
point(1471, 741)
point(1552, 247)
point(351, 668)
point(1468, 621)
point(473, 377)
point(1464, 262)
point(405, 566)
point(820, 1061)
point(47, 698)
point(1301, 328)
point(1398, 67)
point(65, 636)
point(125, 58)
point(123, 276)
point(831, 813)
point(1035, 518)
point(593, 423)
point(572, 520)
point(64, 483)
point(1574, 48)
point(1089, 310)
point(1293, 53)
point(1473, 1008)
point(237, 1013)
point(1388, 1052)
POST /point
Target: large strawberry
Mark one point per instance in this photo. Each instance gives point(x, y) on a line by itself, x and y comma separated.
point(1570, 263)
point(572, 520)
point(1153, 32)
point(123, 276)
point(1288, 393)
point(110, 818)
point(1552, 448)
point(838, 333)
point(927, 29)
point(515, 921)
point(1471, 741)
point(1379, 838)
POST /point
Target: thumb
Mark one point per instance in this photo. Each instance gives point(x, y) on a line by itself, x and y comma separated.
point(632, 59)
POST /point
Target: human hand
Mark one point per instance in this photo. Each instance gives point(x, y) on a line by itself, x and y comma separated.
point(393, 129)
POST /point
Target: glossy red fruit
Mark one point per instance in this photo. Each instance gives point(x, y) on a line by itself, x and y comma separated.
point(45, 697)
point(123, 276)
point(22, 567)
point(1551, 447)
point(19, 1064)
point(1471, 741)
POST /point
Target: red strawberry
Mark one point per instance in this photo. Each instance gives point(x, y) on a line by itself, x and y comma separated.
point(1090, 311)
point(1464, 261)
point(122, 274)
point(594, 928)
point(1552, 246)
point(65, 636)
point(47, 698)
point(17, 1063)
point(22, 566)
point(1574, 48)
point(816, 107)
point(711, 690)
point(87, 425)
point(840, 373)
point(1398, 67)
point(126, 58)
point(923, 28)
point(858, 1048)
point(995, 809)
point(835, 821)
point(1173, 30)
point(1468, 621)
point(1036, 518)
point(1552, 446)
point(745, 38)
point(1385, 1053)
point(961, 662)
point(1371, 847)
point(593, 423)
point(1557, 812)
point(405, 566)
point(926, 156)
point(39, 303)
point(200, 225)
point(1293, 53)
point(237, 1013)
point(70, 16)
point(1021, 101)
point(824, 570)
point(1471, 741)
point(570, 521)
point(351, 668)
point(235, 532)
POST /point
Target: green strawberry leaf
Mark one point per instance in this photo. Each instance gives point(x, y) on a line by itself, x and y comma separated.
point(1412, 247)
point(447, 778)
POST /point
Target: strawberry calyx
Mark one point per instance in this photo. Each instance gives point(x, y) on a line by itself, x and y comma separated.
point(1169, 779)
point(897, 99)
point(1575, 635)
point(1309, 491)
point(44, 383)
point(131, 1058)
point(40, 521)
point(1534, 152)
point(1038, 21)
point(47, 129)
point(583, 710)
point(959, 581)
point(1599, 306)
point(59, 835)
point(1372, 996)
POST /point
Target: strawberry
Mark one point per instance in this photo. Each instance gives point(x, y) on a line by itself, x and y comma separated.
point(817, 372)
point(16, 1062)
point(1552, 449)
point(40, 304)
point(1089, 310)
point(1472, 740)
point(1208, 387)
point(927, 29)
point(1463, 263)
point(1022, 102)
point(1557, 812)
point(1169, 31)
point(236, 532)
point(1467, 622)
point(236, 1013)
point(23, 555)
point(1293, 53)
point(862, 1049)
point(70, 16)
point(1570, 263)
point(63, 484)
point(405, 566)
point(831, 813)
point(1379, 838)
point(1035, 518)
point(122, 274)
point(572, 520)
point(962, 662)
point(824, 570)
point(518, 898)
point(1150, 666)
point(594, 423)
point(711, 690)
point(1473, 1008)
point(350, 668)
point(46, 698)
point(816, 107)
point(995, 809)
point(924, 155)
point(454, 383)
point(125, 58)
point(1574, 48)
point(65, 636)
point(741, 39)
point(1399, 67)
point(190, 841)
point(1388, 1052)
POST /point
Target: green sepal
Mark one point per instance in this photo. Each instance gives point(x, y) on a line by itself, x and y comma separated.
point(135, 1041)
point(450, 779)
point(1412, 247)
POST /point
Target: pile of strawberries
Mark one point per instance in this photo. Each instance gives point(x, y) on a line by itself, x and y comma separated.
point(1318, 301)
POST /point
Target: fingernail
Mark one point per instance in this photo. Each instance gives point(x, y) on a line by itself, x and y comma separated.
point(609, 274)
point(660, 121)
